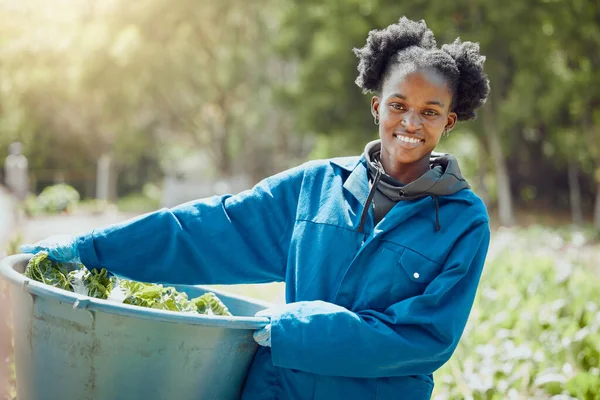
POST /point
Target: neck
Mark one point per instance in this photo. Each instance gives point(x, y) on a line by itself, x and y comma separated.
point(405, 173)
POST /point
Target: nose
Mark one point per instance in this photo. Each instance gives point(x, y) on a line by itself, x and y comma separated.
point(411, 121)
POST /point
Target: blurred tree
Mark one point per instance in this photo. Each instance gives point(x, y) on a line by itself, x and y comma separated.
point(574, 30)
point(132, 79)
point(522, 117)
point(207, 70)
point(82, 79)
point(321, 36)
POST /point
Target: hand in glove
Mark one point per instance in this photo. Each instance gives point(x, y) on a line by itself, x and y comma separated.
point(61, 248)
point(263, 336)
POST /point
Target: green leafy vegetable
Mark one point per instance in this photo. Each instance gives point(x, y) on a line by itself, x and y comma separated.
point(155, 296)
point(167, 298)
point(42, 269)
point(210, 301)
point(98, 284)
point(92, 283)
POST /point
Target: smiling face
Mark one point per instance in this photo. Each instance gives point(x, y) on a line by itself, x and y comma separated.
point(413, 109)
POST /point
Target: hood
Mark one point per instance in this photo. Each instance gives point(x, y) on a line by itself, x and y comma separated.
point(443, 178)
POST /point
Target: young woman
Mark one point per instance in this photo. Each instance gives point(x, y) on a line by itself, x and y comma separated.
point(381, 254)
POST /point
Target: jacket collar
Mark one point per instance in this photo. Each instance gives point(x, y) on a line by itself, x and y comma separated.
point(357, 182)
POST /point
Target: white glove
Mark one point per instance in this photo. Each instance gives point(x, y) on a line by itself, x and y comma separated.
point(263, 336)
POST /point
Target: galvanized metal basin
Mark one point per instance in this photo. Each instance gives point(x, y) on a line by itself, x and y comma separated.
point(72, 347)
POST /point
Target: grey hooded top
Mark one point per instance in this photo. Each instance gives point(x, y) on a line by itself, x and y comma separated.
point(443, 178)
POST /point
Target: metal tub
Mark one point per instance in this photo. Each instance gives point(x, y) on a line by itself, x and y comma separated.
point(71, 347)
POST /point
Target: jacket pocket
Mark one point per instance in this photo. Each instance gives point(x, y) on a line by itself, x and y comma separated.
point(418, 268)
point(396, 274)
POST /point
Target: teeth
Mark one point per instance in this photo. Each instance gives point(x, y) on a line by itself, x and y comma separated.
point(407, 139)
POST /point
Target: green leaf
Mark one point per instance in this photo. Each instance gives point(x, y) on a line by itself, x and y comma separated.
point(210, 301)
point(40, 268)
point(585, 386)
point(98, 284)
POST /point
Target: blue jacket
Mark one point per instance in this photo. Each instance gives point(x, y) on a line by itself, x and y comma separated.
point(370, 315)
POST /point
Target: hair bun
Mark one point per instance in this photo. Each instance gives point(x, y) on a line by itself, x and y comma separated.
point(383, 44)
point(473, 85)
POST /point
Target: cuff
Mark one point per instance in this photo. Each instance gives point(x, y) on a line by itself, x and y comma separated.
point(87, 250)
point(281, 335)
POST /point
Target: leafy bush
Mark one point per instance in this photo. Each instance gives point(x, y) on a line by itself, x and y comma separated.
point(13, 245)
point(146, 201)
point(94, 206)
point(534, 330)
point(30, 206)
point(53, 199)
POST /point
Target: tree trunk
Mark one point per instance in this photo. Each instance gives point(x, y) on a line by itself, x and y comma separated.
point(223, 153)
point(597, 207)
point(575, 193)
point(483, 190)
point(505, 203)
point(505, 206)
point(221, 125)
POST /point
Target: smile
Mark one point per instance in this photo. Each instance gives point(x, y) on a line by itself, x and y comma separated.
point(407, 139)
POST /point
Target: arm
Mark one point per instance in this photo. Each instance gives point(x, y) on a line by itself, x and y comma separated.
point(218, 240)
point(412, 337)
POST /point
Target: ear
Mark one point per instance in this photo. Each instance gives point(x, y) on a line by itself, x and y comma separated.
point(375, 107)
point(452, 117)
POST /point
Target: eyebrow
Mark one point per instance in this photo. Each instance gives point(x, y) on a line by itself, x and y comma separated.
point(430, 102)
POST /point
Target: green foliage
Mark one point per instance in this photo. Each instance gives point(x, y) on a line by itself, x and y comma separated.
point(137, 203)
point(30, 206)
point(542, 67)
point(210, 301)
point(535, 325)
point(132, 80)
point(585, 385)
point(98, 284)
point(53, 199)
point(40, 268)
point(250, 83)
point(145, 201)
point(13, 244)
point(93, 206)
point(166, 298)
point(92, 283)
point(58, 198)
point(155, 296)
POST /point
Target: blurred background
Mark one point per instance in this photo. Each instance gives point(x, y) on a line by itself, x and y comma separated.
point(115, 108)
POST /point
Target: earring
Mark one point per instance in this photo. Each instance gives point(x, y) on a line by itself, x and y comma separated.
point(446, 133)
point(376, 120)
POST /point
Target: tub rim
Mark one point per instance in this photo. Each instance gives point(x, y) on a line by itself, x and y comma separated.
point(35, 288)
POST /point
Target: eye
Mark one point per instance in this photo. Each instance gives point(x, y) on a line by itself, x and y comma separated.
point(398, 106)
point(431, 113)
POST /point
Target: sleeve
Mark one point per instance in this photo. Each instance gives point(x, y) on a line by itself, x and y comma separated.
point(413, 337)
point(218, 240)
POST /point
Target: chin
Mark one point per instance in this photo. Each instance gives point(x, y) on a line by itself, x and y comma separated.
point(403, 156)
point(406, 160)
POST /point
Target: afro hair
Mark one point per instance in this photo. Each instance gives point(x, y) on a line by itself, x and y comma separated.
point(409, 41)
